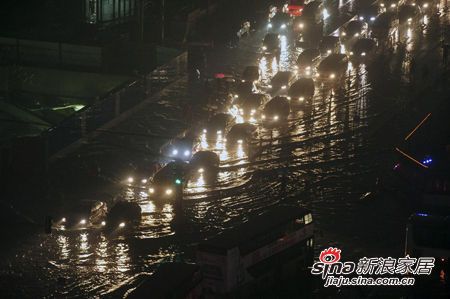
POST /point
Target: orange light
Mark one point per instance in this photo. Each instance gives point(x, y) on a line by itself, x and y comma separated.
point(418, 126)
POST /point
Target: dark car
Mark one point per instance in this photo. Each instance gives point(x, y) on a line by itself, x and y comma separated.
point(314, 11)
point(383, 25)
point(281, 80)
point(408, 14)
point(271, 44)
point(204, 161)
point(241, 133)
point(279, 23)
point(307, 58)
point(368, 13)
point(363, 49)
point(389, 5)
point(82, 214)
point(243, 88)
point(332, 67)
point(165, 180)
point(249, 105)
point(353, 29)
point(276, 111)
point(301, 91)
point(122, 214)
point(309, 32)
point(330, 44)
point(179, 148)
point(217, 125)
point(250, 74)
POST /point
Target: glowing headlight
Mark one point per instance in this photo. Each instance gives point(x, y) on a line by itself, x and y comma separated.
point(301, 25)
point(63, 219)
point(242, 81)
point(201, 170)
point(361, 18)
point(175, 152)
point(283, 26)
point(382, 4)
point(236, 96)
point(269, 86)
point(239, 141)
point(393, 5)
point(103, 223)
point(343, 34)
point(264, 48)
point(288, 98)
point(241, 111)
point(317, 75)
point(283, 87)
point(83, 221)
point(169, 191)
point(301, 99)
point(425, 5)
point(151, 190)
point(332, 76)
point(205, 131)
point(122, 224)
point(275, 118)
point(410, 20)
point(269, 25)
point(263, 116)
point(130, 180)
point(328, 51)
point(372, 18)
point(144, 181)
point(356, 34)
point(187, 153)
point(253, 111)
point(219, 132)
point(363, 54)
point(351, 53)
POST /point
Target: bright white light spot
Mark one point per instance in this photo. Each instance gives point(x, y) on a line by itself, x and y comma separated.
point(301, 99)
point(130, 180)
point(187, 153)
point(63, 219)
point(144, 181)
point(332, 76)
point(201, 170)
point(151, 190)
point(103, 223)
point(363, 54)
point(240, 141)
point(269, 25)
point(169, 191)
point(283, 26)
point(275, 117)
point(175, 152)
point(83, 221)
point(283, 87)
point(122, 224)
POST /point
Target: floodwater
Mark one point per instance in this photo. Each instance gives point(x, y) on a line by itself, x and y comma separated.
point(324, 158)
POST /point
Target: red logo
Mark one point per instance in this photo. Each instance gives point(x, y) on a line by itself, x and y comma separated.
point(330, 256)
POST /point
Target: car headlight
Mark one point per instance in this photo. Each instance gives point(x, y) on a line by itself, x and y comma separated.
point(283, 87)
point(288, 98)
point(205, 131)
point(425, 5)
point(169, 191)
point(269, 25)
point(103, 223)
point(130, 179)
point(144, 181)
point(236, 96)
point(122, 224)
point(328, 51)
point(263, 116)
point(239, 141)
point(253, 111)
point(301, 25)
point(301, 99)
point(382, 4)
point(219, 132)
point(332, 76)
point(343, 34)
point(363, 54)
point(175, 152)
point(317, 75)
point(151, 190)
point(187, 153)
point(275, 118)
point(264, 48)
point(201, 170)
point(63, 219)
point(356, 34)
point(393, 5)
point(361, 18)
point(283, 26)
point(270, 86)
point(83, 221)
point(372, 18)
point(351, 53)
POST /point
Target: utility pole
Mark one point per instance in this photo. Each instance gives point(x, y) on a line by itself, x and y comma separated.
point(163, 4)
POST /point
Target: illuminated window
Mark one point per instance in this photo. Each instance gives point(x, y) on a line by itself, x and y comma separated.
point(308, 218)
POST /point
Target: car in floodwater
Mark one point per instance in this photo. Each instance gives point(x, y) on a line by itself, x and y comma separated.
point(308, 31)
point(243, 88)
point(368, 13)
point(280, 23)
point(217, 126)
point(409, 14)
point(123, 214)
point(301, 92)
point(384, 25)
point(352, 31)
point(81, 215)
point(426, 6)
point(330, 44)
point(332, 67)
point(251, 73)
point(164, 182)
point(363, 50)
point(276, 111)
point(307, 58)
point(389, 5)
point(250, 105)
point(204, 162)
point(179, 148)
point(271, 44)
point(241, 133)
point(281, 81)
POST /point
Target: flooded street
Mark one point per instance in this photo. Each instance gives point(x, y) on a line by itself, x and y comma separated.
point(325, 158)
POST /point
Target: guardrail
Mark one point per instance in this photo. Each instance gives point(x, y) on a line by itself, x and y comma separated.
point(111, 105)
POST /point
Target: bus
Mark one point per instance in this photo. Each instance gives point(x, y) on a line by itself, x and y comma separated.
point(271, 247)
